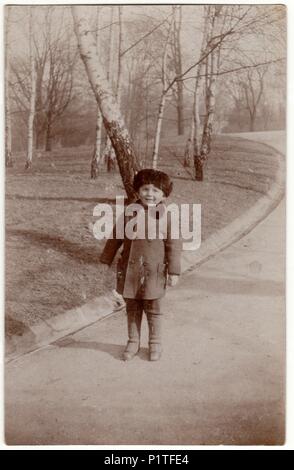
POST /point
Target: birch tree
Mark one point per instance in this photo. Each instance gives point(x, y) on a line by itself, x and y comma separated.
point(111, 114)
point(119, 55)
point(109, 155)
point(31, 118)
point(215, 31)
point(212, 63)
point(8, 150)
point(193, 149)
point(177, 56)
point(225, 24)
point(55, 60)
point(162, 101)
point(198, 90)
point(118, 84)
point(96, 158)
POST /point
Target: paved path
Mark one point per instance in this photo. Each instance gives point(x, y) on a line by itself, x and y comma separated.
point(220, 380)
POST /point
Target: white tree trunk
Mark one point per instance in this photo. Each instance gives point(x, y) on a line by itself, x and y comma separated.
point(98, 136)
point(210, 104)
point(109, 154)
point(196, 108)
point(200, 72)
point(32, 95)
point(8, 140)
point(99, 115)
point(158, 131)
point(177, 20)
point(120, 48)
point(162, 101)
point(194, 140)
point(112, 117)
point(188, 155)
point(96, 158)
point(212, 27)
point(213, 61)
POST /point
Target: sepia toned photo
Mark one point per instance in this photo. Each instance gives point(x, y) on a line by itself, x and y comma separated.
point(145, 168)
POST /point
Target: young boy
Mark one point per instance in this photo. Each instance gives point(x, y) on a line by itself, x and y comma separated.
point(146, 266)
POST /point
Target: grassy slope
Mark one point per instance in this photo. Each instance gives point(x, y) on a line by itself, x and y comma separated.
point(52, 257)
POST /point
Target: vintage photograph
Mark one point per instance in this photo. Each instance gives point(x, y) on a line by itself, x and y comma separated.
point(145, 168)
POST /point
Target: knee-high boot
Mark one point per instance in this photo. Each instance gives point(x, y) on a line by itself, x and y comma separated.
point(134, 314)
point(154, 318)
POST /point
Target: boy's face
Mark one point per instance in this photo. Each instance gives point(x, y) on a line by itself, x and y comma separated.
point(150, 195)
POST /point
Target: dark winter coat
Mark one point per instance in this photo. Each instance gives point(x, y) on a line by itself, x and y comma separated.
point(144, 264)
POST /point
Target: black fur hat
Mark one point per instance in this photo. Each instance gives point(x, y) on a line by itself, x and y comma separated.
point(149, 176)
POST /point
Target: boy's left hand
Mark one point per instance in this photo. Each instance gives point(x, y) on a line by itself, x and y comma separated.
point(172, 280)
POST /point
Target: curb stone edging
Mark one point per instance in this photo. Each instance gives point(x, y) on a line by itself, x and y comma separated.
point(241, 226)
point(50, 330)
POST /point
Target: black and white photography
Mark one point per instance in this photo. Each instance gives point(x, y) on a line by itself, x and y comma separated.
point(145, 168)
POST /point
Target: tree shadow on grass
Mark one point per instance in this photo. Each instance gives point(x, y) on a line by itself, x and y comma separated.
point(14, 327)
point(71, 249)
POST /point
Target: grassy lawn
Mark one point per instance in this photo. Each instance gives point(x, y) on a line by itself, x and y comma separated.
point(51, 255)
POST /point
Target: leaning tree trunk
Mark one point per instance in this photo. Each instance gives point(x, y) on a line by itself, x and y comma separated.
point(162, 101)
point(111, 114)
point(28, 163)
point(8, 151)
point(96, 157)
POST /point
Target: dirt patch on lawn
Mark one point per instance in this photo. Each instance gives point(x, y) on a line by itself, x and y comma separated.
point(51, 255)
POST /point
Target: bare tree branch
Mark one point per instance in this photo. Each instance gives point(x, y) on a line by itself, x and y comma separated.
point(243, 67)
point(145, 36)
